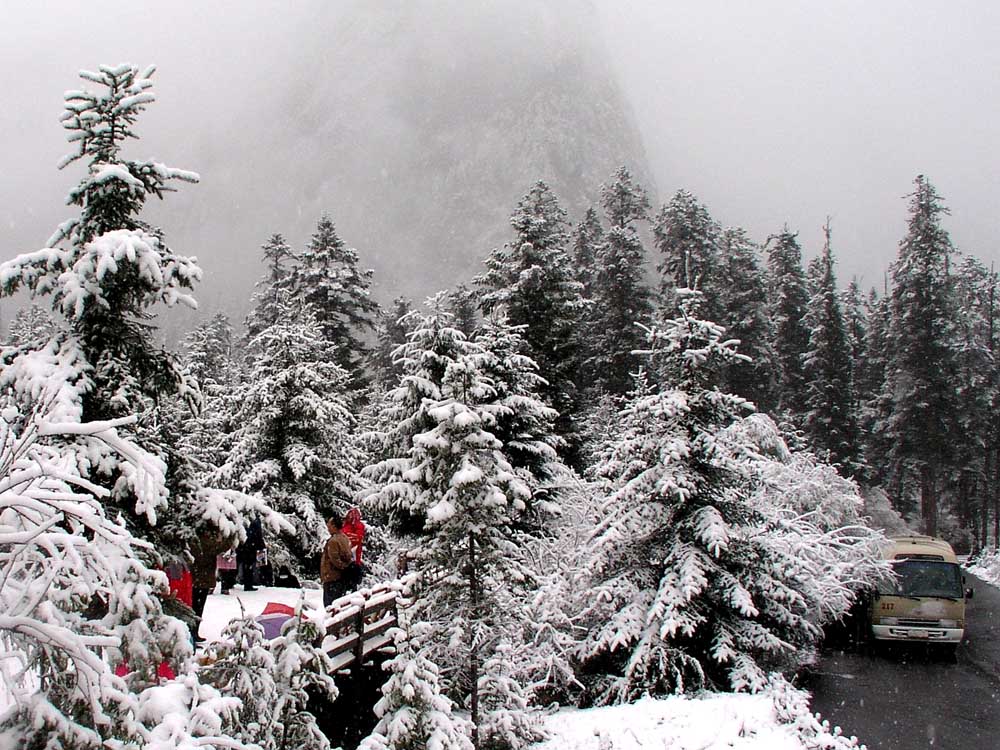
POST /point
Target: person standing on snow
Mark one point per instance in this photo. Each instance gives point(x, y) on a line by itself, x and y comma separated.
point(337, 556)
point(205, 549)
point(246, 554)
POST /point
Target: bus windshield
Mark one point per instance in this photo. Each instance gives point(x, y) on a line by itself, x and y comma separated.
point(928, 578)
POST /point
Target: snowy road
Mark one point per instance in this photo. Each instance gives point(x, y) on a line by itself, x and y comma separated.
point(909, 698)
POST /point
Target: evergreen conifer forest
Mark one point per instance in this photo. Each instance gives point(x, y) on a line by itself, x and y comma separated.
point(634, 449)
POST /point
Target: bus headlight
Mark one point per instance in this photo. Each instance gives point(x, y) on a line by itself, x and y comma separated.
point(889, 621)
point(950, 624)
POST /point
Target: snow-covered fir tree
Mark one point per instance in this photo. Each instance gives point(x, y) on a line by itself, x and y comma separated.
point(743, 302)
point(687, 239)
point(450, 474)
point(390, 335)
point(620, 296)
point(920, 425)
point(789, 301)
point(977, 390)
point(413, 712)
point(686, 593)
point(31, 326)
point(293, 440)
point(279, 279)
point(829, 421)
point(103, 272)
point(587, 239)
point(532, 281)
point(329, 279)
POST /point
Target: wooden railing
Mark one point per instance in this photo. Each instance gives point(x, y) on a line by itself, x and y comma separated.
point(358, 624)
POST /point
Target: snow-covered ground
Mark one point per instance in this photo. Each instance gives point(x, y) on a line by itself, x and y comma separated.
point(986, 566)
point(219, 609)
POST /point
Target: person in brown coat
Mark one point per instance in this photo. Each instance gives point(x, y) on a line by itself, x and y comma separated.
point(337, 555)
point(206, 547)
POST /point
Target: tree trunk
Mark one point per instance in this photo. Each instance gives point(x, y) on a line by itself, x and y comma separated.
point(928, 499)
point(473, 646)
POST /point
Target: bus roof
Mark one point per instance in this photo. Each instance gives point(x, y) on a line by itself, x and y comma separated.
point(919, 547)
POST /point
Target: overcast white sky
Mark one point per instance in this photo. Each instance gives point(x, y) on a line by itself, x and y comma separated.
point(772, 112)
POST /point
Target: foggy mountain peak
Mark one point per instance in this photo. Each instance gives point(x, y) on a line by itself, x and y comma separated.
point(417, 126)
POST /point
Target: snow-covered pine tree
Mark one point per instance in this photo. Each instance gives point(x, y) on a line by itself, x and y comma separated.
point(587, 239)
point(279, 278)
point(869, 379)
point(209, 357)
point(829, 422)
point(413, 713)
point(976, 386)
point(456, 482)
point(464, 309)
point(103, 272)
point(789, 302)
point(743, 301)
point(301, 668)
point(241, 665)
point(104, 269)
point(687, 239)
point(686, 593)
point(620, 296)
point(31, 326)
point(432, 343)
point(391, 334)
point(921, 426)
point(524, 424)
point(293, 441)
point(328, 279)
point(532, 281)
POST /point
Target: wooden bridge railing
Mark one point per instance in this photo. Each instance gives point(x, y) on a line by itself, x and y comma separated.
point(358, 624)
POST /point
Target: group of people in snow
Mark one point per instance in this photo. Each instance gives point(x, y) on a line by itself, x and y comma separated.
point(215, 558)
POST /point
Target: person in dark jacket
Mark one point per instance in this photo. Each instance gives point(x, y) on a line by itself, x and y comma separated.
point(205, 549)
point(246, 554)
point(337, 556)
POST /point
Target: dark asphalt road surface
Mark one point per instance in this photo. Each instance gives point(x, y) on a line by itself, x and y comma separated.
point(907, 698)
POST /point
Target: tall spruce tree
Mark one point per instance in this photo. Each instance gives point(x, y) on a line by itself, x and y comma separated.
point(103, 272)
point(457, 482)
point(686, 592)
point(328, 279)
point(293, 440)
point(532, 282)
point(743, 307)
point(829, 421)
point(587, 239)
point(789, 302)
point(920, 424)
point(687, 239)
point(620, 296)
point(279, 278)
point(976, 390)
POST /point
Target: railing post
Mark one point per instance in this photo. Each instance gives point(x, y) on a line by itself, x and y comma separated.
point(359, 625)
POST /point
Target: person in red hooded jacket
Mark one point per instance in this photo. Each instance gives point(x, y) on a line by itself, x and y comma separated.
point(354, 530)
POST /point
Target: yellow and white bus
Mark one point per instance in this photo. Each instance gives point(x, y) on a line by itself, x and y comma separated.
point(926, 601)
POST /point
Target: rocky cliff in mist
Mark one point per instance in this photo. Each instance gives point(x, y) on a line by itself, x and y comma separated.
point(417, 125)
